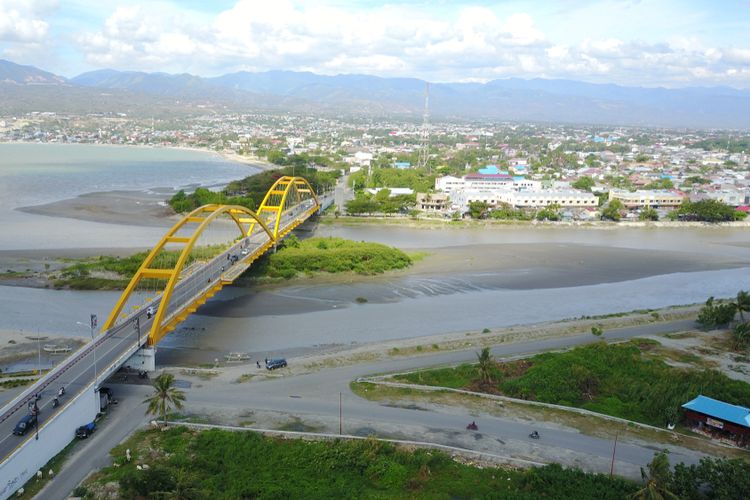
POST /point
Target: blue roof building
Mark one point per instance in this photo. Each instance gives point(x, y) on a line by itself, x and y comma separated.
point(489, 170)
point(402, 164)
point(719, 419)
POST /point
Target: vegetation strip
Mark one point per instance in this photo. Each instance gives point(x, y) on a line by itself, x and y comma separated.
point(620, 380)
point(378, 380)
point(186, 463)
point(325, 435)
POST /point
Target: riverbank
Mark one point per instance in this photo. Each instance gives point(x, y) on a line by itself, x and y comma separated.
point(438, 222)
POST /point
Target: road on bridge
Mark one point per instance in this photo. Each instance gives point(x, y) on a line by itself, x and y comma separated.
point(113, 348)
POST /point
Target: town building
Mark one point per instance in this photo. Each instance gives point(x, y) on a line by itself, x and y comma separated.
point(656, 198)
point(433, 202)
point(526, 199)
point(719, 420)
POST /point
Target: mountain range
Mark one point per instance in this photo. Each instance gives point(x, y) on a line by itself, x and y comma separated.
point(513, 99)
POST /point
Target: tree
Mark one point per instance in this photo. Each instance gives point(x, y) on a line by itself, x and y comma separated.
point(584, 183)
point(551, 212)
point(477, 209)
point(741, 336)
point(597, 331)
point(648, 213)
point(709, 211)
point(657, 479)
point(716, 314)
point(164, 397)
point(486, 365)
point(612, 211)
point(742, 303)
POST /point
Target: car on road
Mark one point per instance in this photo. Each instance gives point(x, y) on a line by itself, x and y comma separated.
point(23, 425)
point(245, 251)
point(85, 431)
point(272, 364)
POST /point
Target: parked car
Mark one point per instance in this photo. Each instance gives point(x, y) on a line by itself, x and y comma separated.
point(23, 425)
point(276, 363)
point(85, 431)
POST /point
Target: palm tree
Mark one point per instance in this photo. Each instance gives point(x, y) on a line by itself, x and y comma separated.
point(486, 365)
point(657, 479)
point(741, 335)
point(742, 303)
point(164, 397)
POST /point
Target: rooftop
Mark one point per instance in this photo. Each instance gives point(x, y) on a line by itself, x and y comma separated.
point(712, 407)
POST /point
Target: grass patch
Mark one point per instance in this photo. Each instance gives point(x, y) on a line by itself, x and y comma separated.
point(87, 274)
point(329, 255)
point(34, 485)
point(622, 380)
point(296, 424)
point(219, 464)
point(10, 384)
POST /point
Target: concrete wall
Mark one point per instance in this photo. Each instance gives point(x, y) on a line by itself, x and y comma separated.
point(54, 435)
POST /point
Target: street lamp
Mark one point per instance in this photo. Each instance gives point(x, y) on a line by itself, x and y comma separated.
point(92, 325)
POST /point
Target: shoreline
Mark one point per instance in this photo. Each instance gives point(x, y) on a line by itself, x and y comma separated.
point(230, 156)
point(407, 221)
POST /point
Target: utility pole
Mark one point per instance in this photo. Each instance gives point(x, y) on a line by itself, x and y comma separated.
point(340, 417)
point(424, 149)
point(93, 326)
point(137, 326)
point(612, 466)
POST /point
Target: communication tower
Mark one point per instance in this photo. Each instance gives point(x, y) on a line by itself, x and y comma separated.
point(424, 150)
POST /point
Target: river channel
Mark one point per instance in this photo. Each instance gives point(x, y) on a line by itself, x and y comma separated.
point(471, 278)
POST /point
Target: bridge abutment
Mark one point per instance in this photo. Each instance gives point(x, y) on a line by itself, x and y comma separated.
point(144, 359)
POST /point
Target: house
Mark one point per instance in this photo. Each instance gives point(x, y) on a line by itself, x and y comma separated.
point(432, 202)
point(718, 419)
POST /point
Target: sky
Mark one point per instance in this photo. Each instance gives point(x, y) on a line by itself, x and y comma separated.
point(670, 43)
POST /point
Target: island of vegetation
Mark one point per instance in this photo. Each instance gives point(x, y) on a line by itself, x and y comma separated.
point(329, 255)
point(294, 257)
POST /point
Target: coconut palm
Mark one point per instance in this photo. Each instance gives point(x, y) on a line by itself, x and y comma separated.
point(486, 365)
point(164, 397)
point(742, 303)
point(656, 480)
point(741, 336)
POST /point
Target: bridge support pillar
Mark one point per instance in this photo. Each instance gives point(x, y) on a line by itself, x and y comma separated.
point(144, 359)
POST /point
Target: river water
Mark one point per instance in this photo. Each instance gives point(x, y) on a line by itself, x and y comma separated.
point(36, 174)
point(475, 278)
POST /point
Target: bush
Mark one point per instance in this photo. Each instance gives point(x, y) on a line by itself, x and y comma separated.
point(227, 465)
point(331, 255)
point(716, 314)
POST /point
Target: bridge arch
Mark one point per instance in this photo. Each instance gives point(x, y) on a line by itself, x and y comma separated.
point(244, 218)
point(276, 199)
point(286, 196)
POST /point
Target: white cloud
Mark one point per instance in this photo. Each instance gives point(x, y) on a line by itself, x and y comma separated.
point(21, 21)
point(458, 43)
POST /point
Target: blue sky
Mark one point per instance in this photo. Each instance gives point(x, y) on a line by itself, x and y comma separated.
point(631, 42)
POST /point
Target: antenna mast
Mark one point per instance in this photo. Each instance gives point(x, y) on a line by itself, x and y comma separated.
point(424, 150)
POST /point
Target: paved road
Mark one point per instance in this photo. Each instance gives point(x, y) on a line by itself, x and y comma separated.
point(116, 345)
point(93, 453)
point(316, 396)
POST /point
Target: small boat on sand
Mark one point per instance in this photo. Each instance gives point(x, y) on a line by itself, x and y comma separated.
point(237, 356)
point(56, 349)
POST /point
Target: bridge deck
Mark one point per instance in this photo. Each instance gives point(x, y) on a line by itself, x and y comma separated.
point(113, 347)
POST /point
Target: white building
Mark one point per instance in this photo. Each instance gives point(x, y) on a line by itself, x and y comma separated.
point(526, 199)
point(656, 198)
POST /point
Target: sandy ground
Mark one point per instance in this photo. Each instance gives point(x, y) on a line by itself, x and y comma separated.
point(332, 356)
point(19, 346)
point(112, 207)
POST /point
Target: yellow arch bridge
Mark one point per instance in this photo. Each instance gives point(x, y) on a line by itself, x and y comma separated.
point(181, 286)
